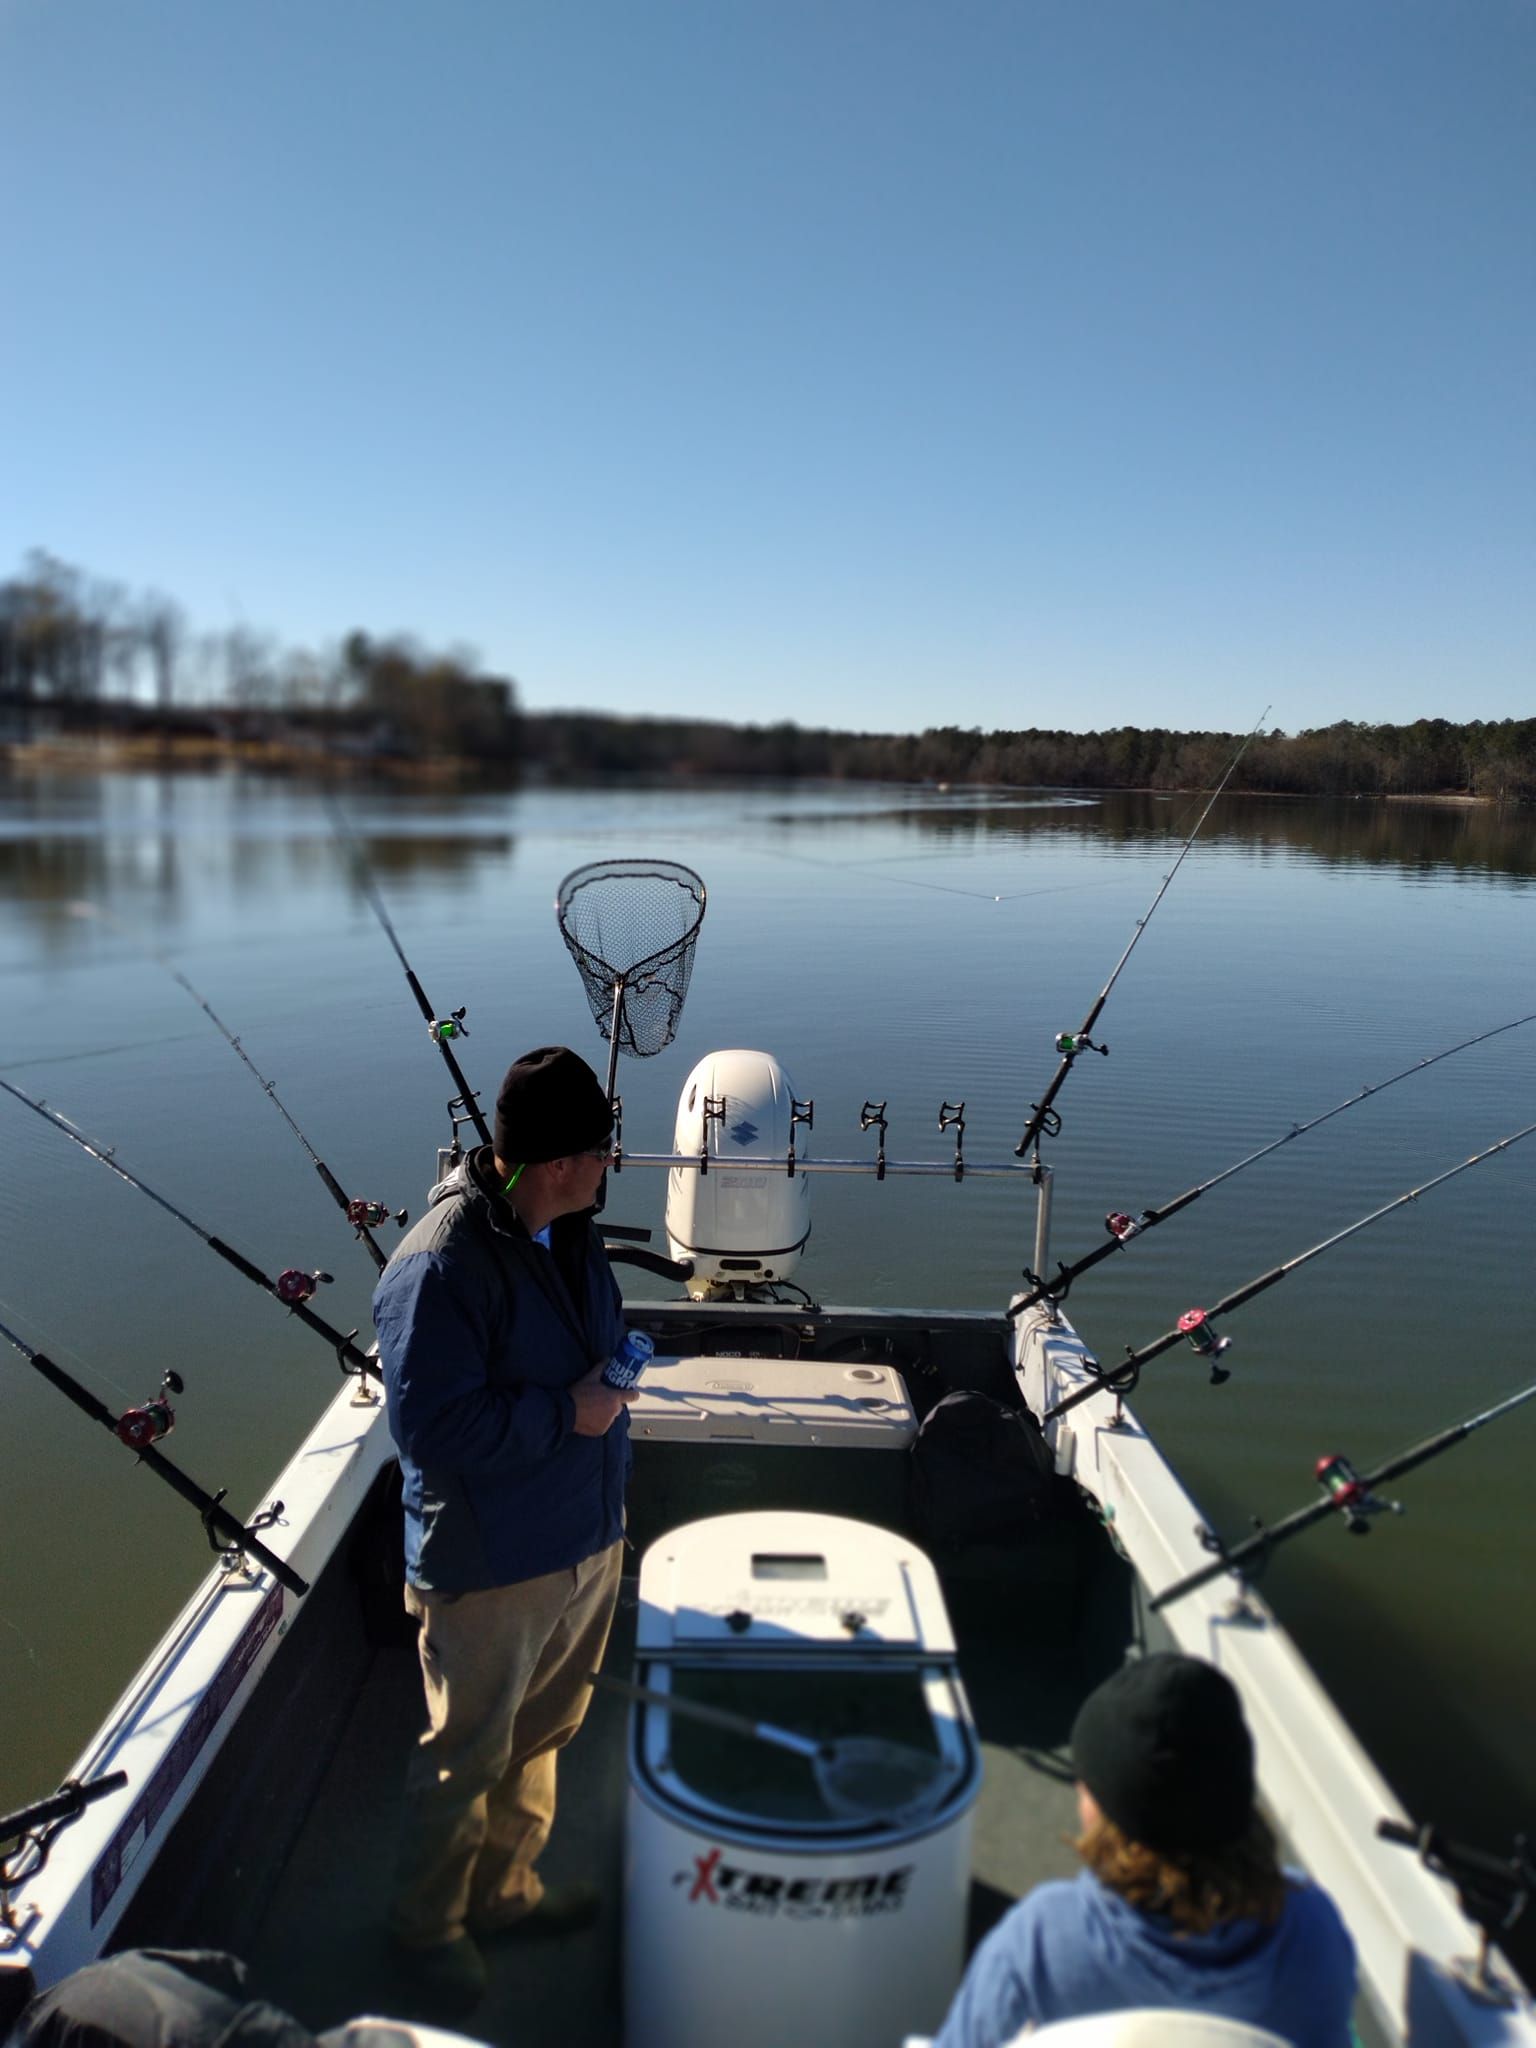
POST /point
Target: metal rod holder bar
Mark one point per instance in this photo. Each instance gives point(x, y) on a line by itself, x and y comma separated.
point(1013, 1169)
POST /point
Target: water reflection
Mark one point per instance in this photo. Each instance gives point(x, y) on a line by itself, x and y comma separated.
point(1485, 839)
point(138, 852)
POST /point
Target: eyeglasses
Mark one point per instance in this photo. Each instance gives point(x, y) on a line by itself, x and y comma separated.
point(597, 1151)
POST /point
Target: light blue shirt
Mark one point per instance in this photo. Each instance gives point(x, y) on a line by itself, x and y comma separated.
point(1077, 1947)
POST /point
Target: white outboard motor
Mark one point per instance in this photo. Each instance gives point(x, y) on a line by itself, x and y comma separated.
point(741, 1226)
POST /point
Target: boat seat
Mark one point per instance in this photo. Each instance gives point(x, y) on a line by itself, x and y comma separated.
point(1145, 2027)
point(1149, 2027)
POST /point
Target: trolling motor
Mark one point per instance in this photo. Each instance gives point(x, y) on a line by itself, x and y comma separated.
point(145, 1425)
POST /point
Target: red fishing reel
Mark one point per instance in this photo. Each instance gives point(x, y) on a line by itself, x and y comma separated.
point(1201, 1333)
point(1124, 1227)
point(363, 1214)
point(1351, 1494)
point(296, 1286)
point(140, 1427)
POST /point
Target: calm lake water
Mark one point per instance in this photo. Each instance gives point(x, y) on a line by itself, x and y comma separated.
point(885, 943)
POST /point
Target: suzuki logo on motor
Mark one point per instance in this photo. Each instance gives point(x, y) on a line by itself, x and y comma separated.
point(718, 1883)
point(745, 1132)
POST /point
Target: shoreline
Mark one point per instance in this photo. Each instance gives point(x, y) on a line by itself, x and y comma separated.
point(96, 756)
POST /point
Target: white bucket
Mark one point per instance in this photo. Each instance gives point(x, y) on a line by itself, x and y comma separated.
point(754, 1913)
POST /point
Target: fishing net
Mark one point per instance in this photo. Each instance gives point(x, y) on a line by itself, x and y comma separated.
point(631, 927)
point(861, 1778)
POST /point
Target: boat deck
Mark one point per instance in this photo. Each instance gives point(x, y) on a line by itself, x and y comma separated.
point(319, 1951)
point(285, 1853)
point(1038, 1623)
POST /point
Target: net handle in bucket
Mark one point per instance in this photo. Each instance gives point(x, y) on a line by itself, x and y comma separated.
point(631, 926)
point(906, 1782)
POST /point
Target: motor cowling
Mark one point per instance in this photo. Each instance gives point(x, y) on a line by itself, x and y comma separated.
point(742, 1225)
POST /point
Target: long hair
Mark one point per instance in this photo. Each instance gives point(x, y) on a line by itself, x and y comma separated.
point(1196, 1889)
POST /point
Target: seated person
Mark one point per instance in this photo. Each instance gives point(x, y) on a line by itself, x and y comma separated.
point(182, 1998)
point(1183, 1903)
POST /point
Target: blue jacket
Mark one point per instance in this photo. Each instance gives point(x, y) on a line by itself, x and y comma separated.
point(1072, 1948)
point(481, 1330)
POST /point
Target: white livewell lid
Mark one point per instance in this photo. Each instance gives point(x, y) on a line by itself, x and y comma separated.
point(798, 1579)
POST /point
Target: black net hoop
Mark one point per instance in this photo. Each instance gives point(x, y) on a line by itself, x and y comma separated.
point(631, 927)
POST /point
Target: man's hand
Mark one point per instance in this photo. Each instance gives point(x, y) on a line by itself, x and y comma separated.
point(597, 1406)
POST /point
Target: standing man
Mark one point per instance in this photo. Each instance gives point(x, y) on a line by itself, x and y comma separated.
point(496, 1317)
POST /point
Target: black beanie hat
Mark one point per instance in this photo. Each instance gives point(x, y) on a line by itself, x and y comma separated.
point(550, 1105)
point(1165, 1751)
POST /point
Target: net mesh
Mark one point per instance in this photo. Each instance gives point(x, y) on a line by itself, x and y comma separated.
point(635, 923)
point(864, 1776)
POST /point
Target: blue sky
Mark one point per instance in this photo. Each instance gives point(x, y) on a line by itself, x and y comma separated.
point(874, 363)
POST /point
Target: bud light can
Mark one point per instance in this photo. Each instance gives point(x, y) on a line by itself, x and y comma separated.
point(629, 1361)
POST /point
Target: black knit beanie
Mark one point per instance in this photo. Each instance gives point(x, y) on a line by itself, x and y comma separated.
point(550, 1105)
point(1165, 1751)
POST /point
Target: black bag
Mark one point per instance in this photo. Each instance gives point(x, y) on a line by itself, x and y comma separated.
point(981, 1473)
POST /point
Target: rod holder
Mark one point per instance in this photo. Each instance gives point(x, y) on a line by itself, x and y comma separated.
point(872, 1116)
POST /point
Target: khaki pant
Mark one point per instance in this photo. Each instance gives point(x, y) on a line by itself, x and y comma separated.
point(506, 1683)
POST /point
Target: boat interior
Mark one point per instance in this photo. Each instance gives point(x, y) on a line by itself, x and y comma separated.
point(285, 1852)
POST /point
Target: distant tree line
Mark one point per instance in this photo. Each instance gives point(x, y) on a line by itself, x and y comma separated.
point(94, 656)
point(1429, 757)
point(88, 655)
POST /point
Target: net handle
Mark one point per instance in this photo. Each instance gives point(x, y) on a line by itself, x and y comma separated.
point(613, 1038)
point(718, 1717)
point(830, 1760)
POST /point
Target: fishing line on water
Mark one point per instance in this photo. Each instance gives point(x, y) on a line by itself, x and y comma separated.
point(97, 1052)
point(86, 1373)
point(25, 1640)
point(872, 870)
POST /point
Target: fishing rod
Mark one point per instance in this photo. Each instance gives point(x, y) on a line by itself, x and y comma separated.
point(1123, 1228)
point(1346, 1492)
point(464, 1107)
point(1197, 1325)
point(1493, 1891)
point(67, 1804)
point(1042, 1117)
point(363, 1215)
point(293, 1287)
point(141, 1429)
point(26, 1842)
